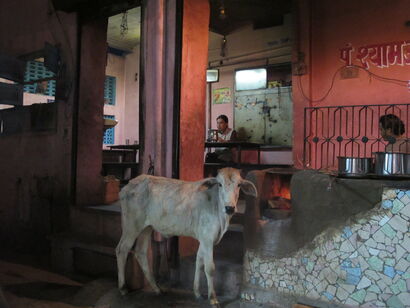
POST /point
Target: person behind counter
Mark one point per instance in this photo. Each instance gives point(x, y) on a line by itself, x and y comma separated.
point(392, 129)
point(225, 134)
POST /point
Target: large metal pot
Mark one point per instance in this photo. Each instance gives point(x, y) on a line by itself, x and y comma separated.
point(355, 166)
point(392, 163)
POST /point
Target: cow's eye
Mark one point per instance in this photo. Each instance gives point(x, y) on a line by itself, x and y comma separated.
point(239, 185)
point(219, 184)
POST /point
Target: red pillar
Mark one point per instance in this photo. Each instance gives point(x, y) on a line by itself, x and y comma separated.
point(193, 95)
point(193, 86)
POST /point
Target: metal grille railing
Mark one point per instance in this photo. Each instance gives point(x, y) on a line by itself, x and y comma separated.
point(349, 131)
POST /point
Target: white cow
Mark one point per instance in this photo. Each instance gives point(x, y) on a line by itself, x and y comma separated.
point(172, 207)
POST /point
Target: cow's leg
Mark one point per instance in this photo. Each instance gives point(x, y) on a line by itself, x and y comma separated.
point(198, 266)
point(141, 253)
point(129, 234)
point(209, 272)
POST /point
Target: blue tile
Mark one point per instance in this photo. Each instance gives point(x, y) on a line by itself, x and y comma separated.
point(387, 204)
point(346, 264)
point(305, 261)
point(389, 271)
point(328, 295)
point(408, 193)
point(353, 275)
point(400, 194)
point(355, 271)
point(352, 279)
point(347, 232)
point(400, 272)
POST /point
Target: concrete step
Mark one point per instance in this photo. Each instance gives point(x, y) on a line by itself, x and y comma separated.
point(100, 221)
point(89, 246)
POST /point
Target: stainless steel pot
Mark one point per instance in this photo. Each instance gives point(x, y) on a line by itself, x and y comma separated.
point(355, 166)
point(392, 163)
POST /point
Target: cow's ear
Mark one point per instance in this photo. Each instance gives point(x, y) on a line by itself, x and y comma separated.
point(249, 188)
point(208, 183)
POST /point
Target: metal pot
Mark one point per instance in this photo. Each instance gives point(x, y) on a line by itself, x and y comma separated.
point(355, 166)
point(392, 163)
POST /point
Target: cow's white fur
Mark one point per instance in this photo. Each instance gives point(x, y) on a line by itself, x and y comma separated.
point(173, 207)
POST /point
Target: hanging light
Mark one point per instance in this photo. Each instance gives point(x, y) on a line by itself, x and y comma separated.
point(222, 11)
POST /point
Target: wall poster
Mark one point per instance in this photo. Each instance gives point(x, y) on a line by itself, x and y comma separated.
point(222, 96)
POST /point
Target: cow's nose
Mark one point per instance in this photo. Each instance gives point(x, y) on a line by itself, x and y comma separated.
point(229, 210)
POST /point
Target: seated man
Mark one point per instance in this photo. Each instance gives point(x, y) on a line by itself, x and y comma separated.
point(392, 130)
point(225, 134)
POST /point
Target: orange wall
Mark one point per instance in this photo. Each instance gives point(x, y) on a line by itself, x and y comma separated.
point(325, 27)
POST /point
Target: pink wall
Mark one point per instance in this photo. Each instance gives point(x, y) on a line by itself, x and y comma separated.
point(326, 27)
point(126, 105)
point(131, 112)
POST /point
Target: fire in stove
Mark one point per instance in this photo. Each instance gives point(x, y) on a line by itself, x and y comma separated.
point(276, 199)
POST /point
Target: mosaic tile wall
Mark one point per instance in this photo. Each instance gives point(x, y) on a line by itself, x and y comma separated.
point(366, 264)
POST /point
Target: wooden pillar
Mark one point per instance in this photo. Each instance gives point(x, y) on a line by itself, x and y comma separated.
point(89, 185)
point(157, 98)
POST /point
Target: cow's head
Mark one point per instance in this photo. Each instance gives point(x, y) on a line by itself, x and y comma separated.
point(229, 182)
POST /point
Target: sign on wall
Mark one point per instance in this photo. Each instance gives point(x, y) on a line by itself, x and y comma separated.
point(380, 55)
point(222, 96)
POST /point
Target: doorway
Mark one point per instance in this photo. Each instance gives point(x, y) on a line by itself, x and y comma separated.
point(121, 97)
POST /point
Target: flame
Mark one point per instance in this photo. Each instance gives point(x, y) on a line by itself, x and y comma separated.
point(280, 187)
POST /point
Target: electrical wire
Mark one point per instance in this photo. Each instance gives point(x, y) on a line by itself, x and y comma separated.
point(404, 83)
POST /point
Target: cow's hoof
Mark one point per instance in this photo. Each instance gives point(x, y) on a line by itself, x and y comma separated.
point(124, 291)
point(214, 303)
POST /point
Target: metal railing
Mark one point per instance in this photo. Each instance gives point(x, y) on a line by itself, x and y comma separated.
point(350, 131)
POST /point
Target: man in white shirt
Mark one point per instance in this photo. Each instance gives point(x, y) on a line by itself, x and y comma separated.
point(225, 134)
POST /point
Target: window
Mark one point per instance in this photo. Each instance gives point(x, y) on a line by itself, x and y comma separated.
point(36, 70)
point(251, 79)
point(109, 133)
point(109, 90)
